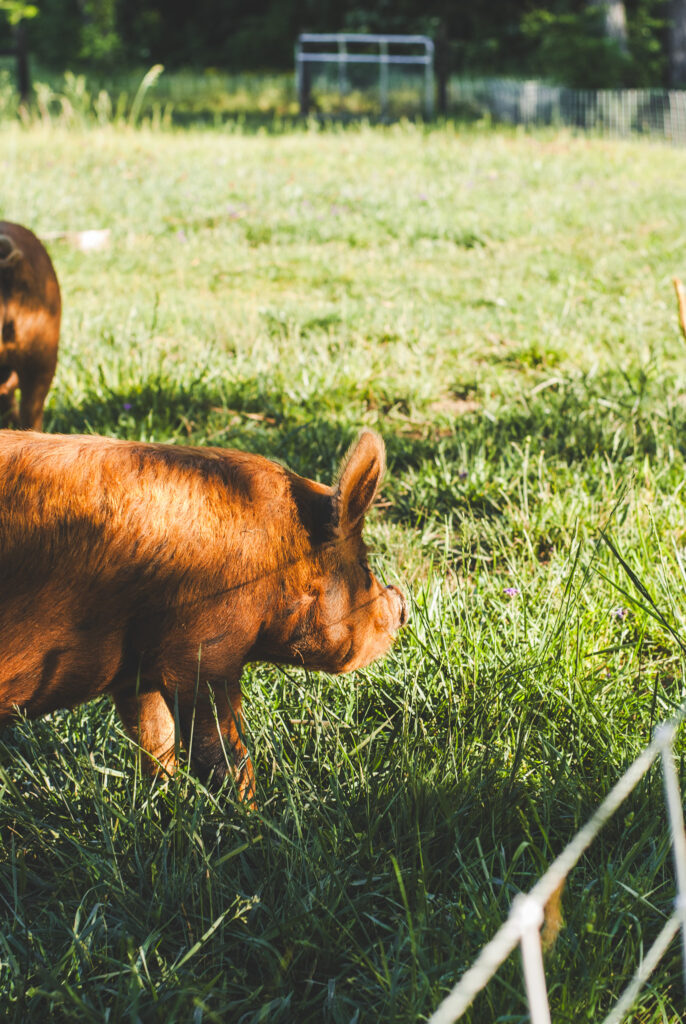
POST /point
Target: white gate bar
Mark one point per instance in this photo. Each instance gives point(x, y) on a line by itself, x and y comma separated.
point(365, 37)
point(479, 974)
point(530, 914)
point(665, 734)
point(644, 970)
point(361, 58)
point(563, 864)
point(509, 934)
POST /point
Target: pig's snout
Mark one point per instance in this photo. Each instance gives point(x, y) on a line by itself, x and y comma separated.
point(399, 598)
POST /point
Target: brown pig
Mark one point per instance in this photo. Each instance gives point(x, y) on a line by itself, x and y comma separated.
point(30, 324)
point(154, 573)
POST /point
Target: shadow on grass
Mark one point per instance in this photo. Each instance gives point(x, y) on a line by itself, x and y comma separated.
point(472, 466)
point(377, 870)
point(272, 122)
point(372, 899)
point(249, 415)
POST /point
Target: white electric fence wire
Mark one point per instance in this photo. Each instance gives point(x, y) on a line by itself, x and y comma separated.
point(514, 927)
point(676, 822)
point(530, 914)
point(645, 969)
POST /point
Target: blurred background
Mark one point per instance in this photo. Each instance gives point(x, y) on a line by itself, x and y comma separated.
point(498, 302)
point(585, 43)
point(581, 43)
point(516, 61)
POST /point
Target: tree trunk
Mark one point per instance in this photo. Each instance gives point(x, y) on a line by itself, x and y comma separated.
point(614, 13)
point(677, 44)
point(23, 76)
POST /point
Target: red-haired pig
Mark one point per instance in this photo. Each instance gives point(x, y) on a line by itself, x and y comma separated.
point(30, 325)
point(154, 573)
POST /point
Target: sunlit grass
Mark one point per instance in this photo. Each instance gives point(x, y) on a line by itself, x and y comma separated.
point(499, 306)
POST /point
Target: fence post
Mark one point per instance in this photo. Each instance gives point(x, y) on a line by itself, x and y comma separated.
point(342, 68)
point(302, 75)
point(383, 77)
point(429, 80)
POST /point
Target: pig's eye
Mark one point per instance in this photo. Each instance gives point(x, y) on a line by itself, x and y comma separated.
point(367, 572)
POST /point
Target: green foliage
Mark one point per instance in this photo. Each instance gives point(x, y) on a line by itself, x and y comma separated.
point(499, 306)
point(17, 10)
point(54, 37)
point(564, 41)
point(100, 41)
point(572, 49)
point(648, 26)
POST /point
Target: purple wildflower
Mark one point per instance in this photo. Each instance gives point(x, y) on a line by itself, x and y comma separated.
point(620, 613)
point(511, 591)
point(127, 406)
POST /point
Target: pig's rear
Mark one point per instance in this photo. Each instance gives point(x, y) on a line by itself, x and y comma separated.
point(30, 312)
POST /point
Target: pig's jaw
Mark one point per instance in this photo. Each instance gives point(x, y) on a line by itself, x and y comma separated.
point(308, 637)
point(379, 642)
point(366, 637)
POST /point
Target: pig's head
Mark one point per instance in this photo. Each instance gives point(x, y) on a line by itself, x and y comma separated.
point(332, 613)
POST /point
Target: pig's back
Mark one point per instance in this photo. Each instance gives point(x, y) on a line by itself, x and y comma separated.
point(112, 552)
point(94, 505)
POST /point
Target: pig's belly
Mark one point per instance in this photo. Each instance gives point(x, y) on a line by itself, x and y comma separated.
point(48, 662)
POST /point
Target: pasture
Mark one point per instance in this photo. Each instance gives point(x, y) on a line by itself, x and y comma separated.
point(499, 306)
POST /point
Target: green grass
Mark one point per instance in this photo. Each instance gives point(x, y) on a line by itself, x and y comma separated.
point(499, 306)
point(212, 96)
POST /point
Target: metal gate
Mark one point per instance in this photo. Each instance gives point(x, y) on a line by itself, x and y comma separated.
point(345, 48)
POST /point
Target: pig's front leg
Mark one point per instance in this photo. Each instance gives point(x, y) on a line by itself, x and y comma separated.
point(212, 729)
point(148, 720)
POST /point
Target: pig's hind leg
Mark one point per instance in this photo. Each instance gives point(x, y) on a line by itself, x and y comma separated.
point(34, 390)
point(149, 722)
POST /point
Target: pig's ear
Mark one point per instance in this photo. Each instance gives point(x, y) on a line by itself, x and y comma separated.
point(358, 480)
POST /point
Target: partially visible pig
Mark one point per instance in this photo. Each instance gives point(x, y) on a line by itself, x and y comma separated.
point(30, 325)
point(154, 573)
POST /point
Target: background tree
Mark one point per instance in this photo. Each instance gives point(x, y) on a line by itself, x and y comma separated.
point(613, 14)
point(576, 42)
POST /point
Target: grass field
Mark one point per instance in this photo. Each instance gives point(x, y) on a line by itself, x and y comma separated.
point(499, 307)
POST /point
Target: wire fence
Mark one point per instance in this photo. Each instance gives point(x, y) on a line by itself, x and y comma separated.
point(523, 925)
point(656, 113)
point(335, 88)
point(350, 80)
